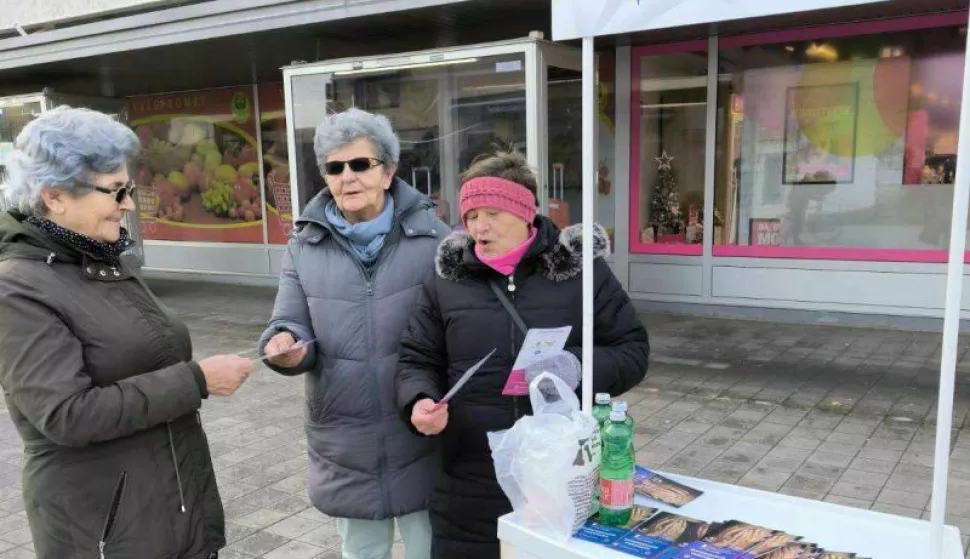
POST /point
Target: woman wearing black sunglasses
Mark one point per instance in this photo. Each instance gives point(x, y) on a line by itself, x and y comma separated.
point(98, 376)
point(351, 273)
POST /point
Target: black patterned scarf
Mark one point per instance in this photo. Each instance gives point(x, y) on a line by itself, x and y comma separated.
point(109, 253)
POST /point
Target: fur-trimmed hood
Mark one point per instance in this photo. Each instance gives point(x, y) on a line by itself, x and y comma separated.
point(560, 260)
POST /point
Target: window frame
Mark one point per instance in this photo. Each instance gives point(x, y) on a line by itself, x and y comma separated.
point(637, 247)
point(826, 31)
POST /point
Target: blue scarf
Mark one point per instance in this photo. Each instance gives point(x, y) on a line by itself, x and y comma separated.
point(366, 238)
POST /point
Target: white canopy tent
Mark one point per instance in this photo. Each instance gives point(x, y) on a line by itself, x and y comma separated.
point(583, 19)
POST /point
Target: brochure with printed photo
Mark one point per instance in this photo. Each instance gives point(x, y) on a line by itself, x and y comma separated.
point(792, 550)
point(811, 552)
point(656, 486)
point(657, 535)
point(597, 532)
point(777, 541)
point(734, 540)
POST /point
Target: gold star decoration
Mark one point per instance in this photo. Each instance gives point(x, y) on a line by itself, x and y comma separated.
point(664, 161)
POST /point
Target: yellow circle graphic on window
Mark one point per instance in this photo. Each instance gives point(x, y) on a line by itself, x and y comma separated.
point(851, 109)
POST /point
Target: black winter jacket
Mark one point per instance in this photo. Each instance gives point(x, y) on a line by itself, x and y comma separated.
point(99, 381)
point(459, 319)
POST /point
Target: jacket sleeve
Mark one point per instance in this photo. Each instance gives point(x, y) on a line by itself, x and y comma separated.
point(621, 348)
point(290, 314)
point(422, 357)
point(42, 373)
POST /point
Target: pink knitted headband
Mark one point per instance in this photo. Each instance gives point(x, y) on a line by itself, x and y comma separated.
point(498, 193)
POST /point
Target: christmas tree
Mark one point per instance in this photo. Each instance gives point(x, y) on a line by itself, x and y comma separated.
point(665, 215)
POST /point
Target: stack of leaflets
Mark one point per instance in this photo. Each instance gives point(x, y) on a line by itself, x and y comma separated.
point(657, 487)
point(663, 535)
point(667, 535)
point(647, 534)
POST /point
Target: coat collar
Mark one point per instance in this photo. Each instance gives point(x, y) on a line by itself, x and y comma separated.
point(557, 254)
point(407, 215)
point(22, 241)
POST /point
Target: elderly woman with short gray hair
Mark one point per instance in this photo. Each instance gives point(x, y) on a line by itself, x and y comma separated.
point(351, 274)
point(98, 375)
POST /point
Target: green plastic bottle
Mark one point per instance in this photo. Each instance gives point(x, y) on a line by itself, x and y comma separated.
point(621, 405)
point(616, 471)
point(601, 413)
point(601, 408)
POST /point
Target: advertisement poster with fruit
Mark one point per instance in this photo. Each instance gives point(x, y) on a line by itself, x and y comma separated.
point(198, 172)
point(276, 170)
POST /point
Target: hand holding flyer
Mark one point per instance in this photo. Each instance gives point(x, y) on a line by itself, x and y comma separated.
point(461, 382)
point(299, 345)
point(539, 344)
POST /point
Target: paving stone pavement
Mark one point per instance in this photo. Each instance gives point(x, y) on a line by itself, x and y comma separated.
point(845, 415)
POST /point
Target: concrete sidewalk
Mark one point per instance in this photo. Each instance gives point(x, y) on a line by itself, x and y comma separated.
point(841, 414)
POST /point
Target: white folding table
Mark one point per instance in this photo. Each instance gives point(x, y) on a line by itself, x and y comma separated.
point(835, 527)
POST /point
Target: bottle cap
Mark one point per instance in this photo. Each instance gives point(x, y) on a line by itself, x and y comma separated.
point(602, 398)
point(617, 415)
point(620, 405)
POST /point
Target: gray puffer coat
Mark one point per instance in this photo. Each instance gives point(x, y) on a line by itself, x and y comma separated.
point(364, 461)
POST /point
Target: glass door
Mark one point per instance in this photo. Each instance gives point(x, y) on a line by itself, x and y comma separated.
point(563, 133)
point(309, 97)
point(15, 113)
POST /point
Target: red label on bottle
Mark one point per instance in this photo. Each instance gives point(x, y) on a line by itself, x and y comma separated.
point(616, 494)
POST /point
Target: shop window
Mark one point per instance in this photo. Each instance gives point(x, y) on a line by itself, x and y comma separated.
point(840, 145)
point(278, 207)
point(565, 132)
point(668, 129)
point(198, 170)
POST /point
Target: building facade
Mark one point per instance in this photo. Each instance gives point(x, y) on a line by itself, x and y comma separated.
point(770, 156)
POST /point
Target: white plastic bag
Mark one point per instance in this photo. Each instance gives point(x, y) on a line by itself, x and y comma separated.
point(547, 463)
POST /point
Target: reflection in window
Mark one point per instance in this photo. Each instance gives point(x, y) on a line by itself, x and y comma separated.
point(607, 115)
point(846, 142)
point(565, 125)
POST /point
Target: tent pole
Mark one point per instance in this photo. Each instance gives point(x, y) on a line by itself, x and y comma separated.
point(951, 318)
point(589, 190)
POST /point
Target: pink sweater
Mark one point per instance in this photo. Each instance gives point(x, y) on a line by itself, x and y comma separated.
point(505, 264)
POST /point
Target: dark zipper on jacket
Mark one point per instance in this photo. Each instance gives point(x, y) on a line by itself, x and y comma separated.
point(175, 464)
point(109, 520)
point(511, 290)
point(390, 242)
point(169, 344)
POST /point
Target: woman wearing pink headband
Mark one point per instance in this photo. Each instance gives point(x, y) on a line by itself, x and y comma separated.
point(506, 250)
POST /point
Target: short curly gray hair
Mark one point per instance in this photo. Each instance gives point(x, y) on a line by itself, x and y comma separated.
point(340, 129)
point(59, 149)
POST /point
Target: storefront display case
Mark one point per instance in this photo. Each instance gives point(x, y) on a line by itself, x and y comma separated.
point(449, 106)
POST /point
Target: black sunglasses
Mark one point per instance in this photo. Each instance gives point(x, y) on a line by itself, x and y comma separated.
point(119, 193)
point(358, 165)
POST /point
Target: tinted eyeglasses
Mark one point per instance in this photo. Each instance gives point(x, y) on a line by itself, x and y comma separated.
point(119, 193)
point(358, 165)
